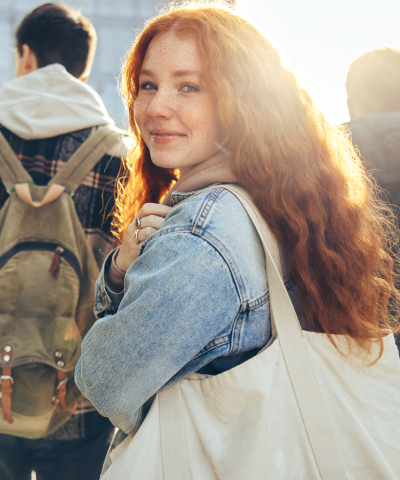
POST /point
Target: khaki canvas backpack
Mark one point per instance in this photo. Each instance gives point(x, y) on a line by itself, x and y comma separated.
point(47, 275)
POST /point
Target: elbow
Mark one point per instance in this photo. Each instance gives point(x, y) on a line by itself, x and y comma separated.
point(81, 382)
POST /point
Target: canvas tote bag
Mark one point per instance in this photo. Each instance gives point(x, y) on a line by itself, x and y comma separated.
point(299, 410)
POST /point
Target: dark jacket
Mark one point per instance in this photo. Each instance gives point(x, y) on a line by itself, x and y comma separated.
point(378, 138)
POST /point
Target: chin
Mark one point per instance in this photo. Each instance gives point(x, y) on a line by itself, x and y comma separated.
point(166, 161)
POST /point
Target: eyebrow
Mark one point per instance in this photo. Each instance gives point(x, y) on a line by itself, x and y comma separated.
point(177, 73)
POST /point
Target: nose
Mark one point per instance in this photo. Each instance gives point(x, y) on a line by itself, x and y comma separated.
point(161, 105)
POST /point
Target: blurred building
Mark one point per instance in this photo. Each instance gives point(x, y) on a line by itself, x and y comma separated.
point(116, 23)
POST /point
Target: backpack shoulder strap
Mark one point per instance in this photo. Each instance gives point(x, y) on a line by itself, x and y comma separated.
point(11, 169)
point(86, 157)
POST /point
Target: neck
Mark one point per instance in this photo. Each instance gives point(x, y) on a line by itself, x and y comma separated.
point(190, 170)
point(214, 169)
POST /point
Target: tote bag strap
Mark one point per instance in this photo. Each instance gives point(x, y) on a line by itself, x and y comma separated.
point(298, 363)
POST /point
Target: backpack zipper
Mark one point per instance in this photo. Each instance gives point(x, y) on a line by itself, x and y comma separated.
point(56, 261)
point(47, 247)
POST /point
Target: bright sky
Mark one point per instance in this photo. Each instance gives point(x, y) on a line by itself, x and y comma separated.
point(318, 39)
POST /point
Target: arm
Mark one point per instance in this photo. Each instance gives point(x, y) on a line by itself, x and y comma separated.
point(106, 300)
point(179, 294)
point(109, 288)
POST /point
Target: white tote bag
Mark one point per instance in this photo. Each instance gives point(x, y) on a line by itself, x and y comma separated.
point(299, 410)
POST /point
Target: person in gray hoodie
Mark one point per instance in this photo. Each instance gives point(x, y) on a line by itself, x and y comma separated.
point(46, 113)
point(373, 91)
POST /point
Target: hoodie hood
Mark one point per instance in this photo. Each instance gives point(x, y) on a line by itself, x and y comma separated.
point(378, 138)
point(49, 102)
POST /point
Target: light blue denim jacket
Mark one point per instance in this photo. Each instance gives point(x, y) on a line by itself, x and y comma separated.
point(195, 300)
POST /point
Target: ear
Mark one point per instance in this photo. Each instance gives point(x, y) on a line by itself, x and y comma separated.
point(26, 63)
point(85, 75)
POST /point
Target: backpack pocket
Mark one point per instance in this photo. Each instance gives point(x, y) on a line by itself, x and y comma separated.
point(38, 308)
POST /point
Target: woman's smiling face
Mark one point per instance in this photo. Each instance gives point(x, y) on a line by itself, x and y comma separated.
point(176, 116)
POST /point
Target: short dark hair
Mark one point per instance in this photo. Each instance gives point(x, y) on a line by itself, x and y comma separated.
point(373, 81)
point(57, 34)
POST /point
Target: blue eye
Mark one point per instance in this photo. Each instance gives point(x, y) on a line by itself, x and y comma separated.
point(148, 86)
point(190, 88)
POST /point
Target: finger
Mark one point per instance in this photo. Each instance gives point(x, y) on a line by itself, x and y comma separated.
point(153, 221)
point(154, 209)
point(130, 231)
point(144, 233)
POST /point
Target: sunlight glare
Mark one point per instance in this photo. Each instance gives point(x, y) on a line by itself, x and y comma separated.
point(318, 39)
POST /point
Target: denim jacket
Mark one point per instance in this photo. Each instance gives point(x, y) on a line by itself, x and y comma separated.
point(195, 300)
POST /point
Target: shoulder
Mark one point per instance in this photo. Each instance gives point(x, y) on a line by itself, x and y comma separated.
point(218, 218)
point(214, 213)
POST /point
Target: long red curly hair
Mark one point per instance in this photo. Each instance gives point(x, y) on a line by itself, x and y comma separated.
point(304, 175)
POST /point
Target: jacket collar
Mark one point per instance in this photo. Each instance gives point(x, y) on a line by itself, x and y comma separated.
point(177, 197)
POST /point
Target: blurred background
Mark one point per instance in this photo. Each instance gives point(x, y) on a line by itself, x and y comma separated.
point(318, 39)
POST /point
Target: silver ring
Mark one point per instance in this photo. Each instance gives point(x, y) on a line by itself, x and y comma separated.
point(138, 242)
point(137, 223)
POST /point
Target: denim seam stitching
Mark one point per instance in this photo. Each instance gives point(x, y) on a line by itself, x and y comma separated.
point(212, 348)
point(210, 239)
point(217, 341)
point(236, 333)
point(205, 209)
point(199, 230)
point(258, 301)
point(186, 196)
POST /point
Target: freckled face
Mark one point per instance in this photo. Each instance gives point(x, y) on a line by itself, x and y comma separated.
point(176, 116)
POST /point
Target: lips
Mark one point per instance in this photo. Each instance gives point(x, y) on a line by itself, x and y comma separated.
point(164, 137)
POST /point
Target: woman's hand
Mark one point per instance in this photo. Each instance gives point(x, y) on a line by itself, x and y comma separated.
point(151, 217)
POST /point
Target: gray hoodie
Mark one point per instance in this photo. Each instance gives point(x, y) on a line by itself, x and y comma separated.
point(49, 102)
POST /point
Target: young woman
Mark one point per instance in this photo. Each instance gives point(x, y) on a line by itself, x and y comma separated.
point(210, 103)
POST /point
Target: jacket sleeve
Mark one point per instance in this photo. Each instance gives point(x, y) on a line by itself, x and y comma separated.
point(179, 294)
point(106, 302)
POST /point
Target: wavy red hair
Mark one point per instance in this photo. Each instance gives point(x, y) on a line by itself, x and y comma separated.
point(303, 175)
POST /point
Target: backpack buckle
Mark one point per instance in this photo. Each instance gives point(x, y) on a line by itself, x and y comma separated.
point(7, 377)
point(61, 391)
point(61, 383)
point(55, 398)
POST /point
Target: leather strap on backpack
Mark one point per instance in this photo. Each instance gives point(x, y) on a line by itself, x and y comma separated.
point(6, 385)
point(6, 391)
point(61, 392)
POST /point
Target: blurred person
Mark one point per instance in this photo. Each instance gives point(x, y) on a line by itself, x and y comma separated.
point(186, 291)
point(46, 113)
point(373, 91)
